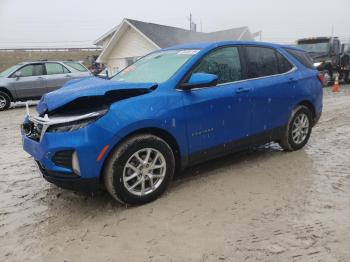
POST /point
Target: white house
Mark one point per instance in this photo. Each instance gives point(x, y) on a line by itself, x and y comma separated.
point(125, 43)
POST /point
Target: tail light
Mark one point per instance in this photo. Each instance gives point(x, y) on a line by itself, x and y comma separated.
point(321, 77)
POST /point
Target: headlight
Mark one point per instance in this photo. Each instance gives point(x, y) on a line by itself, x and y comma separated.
point(317, 64)
point(75, 125)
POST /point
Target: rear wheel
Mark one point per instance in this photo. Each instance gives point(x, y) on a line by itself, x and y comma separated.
point(5, 101)
point(139, 170)
point(299, 129)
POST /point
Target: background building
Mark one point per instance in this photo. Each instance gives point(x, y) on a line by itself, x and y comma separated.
point(125, 43)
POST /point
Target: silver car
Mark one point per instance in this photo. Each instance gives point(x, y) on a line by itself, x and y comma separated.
point(30, 80)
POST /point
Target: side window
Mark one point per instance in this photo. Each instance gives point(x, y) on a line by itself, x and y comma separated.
point(302, 57)
point(55, 68)
point(283, 64)
point(261, 61)
point(223, 62)
point(32, 70)
point(38, 70)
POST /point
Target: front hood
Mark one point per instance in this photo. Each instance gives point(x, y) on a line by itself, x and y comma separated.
point(85, 88)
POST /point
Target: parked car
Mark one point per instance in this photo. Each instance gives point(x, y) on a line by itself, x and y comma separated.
point(172, 108)
point(30, 80)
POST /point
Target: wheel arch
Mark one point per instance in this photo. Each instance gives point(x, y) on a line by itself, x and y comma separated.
point(4, 89)
point(161, 133)
point(310, 106)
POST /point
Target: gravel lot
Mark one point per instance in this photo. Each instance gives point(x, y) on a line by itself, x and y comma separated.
point(262, 205)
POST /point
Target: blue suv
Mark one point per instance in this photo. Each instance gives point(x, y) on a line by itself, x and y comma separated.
point(172, 108)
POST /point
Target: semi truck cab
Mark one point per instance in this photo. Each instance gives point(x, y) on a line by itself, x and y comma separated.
point(328, 55)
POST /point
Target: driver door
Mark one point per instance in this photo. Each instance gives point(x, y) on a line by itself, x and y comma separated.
point(218, 117)
point(31, 83)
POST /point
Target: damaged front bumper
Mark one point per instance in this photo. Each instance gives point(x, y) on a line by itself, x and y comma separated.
point(67, 159)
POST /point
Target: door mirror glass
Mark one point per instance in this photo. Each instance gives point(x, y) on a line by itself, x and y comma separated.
point(200, 80)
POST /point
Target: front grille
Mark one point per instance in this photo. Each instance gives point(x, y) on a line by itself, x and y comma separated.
point(63, 158)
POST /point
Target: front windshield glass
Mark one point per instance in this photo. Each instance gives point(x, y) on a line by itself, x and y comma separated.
point(157, 67)
point(315, 47)
point(9, 70)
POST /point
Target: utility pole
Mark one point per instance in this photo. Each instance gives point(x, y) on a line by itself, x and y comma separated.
point(190, 21)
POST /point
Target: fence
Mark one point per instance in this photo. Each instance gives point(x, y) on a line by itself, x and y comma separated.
point(10, 57)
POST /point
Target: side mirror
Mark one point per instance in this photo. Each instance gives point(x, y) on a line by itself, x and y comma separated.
point(198, 80)
point(17, 74)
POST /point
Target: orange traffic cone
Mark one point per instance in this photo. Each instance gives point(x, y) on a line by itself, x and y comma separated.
point(336, 87)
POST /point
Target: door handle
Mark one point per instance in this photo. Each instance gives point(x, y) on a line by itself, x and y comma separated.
point(40, 77)
point(242, 90)
point(68, 76)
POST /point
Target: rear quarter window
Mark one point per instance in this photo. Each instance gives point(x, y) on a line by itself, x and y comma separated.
point(284, 65)
point(302, 57)
point(76, 66)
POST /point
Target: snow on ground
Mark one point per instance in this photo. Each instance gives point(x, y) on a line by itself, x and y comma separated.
point(263, 205)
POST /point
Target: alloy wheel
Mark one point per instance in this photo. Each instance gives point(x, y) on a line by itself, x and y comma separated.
point(2, 102)
point(144, 171)
point(300, 129)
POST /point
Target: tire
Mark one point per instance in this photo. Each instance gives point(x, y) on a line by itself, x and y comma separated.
point(290, 140)
point(127, 167)
point(5, 101)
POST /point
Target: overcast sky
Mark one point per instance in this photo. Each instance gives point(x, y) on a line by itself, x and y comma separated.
point(34, 23)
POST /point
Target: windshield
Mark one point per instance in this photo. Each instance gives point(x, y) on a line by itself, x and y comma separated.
point(157, 67)
point(315, 47)
point(9, 70)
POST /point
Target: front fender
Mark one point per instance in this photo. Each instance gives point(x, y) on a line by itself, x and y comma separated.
point(163, 112)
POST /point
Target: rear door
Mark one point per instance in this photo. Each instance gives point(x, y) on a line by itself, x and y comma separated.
point(272, 79)
point(218, 116)
point(57, 75)
point(31, 83)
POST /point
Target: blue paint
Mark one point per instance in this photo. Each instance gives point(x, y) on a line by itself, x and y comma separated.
point(197, 119)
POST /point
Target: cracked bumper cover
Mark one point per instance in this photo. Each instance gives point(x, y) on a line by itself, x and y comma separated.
point(86, 142)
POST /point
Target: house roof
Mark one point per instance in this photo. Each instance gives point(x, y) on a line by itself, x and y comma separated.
point(165, 36)
point(162, 36)
point(99, 40)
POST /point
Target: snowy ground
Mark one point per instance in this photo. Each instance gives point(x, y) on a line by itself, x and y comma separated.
point(265, 205)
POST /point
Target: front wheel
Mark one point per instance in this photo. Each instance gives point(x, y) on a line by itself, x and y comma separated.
point(5, 101)
point(298, 130)
point(139, 170)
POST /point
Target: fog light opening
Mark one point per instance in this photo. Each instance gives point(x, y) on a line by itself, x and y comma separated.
point(75, 163)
